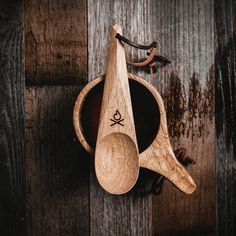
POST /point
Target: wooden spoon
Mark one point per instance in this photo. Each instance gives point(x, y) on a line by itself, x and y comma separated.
point(116, 153)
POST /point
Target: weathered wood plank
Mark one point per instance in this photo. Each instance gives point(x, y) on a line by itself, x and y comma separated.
point(129, 214)
point(225, 64)
point(57, 168)
point(56, 43)
point(12, 175)
point(56, 165)
point(185, 32)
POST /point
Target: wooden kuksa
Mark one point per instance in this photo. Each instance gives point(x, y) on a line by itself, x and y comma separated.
point(117, 159)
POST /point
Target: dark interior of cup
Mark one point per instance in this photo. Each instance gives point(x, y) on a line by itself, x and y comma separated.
point(145, 109)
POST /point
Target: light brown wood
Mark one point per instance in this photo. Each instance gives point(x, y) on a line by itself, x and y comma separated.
point(159, 157)
point(116, 154)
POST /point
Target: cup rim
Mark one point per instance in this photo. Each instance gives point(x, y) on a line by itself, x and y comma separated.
point(81, 98)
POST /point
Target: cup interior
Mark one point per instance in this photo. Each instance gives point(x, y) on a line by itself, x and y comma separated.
point(145, 110)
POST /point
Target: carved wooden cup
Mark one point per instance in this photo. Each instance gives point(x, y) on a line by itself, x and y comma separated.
point(155, 151)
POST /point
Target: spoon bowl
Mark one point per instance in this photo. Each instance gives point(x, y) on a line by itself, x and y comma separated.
point(116, 157)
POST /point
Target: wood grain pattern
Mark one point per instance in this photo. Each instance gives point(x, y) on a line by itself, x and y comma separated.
point(185, 33)
point(12, 171)
point(56, 43)
point(57, 167)
point(225, 63)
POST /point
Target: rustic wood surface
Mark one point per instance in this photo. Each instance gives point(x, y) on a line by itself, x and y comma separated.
point(225, 64)
point(55, 42)
point(56, 166)
point(185, 33)
point(49, 187)
point(12, 170)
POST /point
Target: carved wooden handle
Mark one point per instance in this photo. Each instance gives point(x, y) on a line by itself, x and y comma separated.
point(164, 162)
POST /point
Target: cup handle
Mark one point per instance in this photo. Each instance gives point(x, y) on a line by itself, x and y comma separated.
point(163, 161)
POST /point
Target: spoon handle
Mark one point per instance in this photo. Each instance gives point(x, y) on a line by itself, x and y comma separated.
point(116, 111)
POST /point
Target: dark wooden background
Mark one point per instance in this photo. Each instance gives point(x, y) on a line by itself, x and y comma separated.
point(49, 50)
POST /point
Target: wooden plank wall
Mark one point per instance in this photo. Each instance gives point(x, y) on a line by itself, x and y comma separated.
point(47, 180)
point(225, 64)
point(12, 169)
